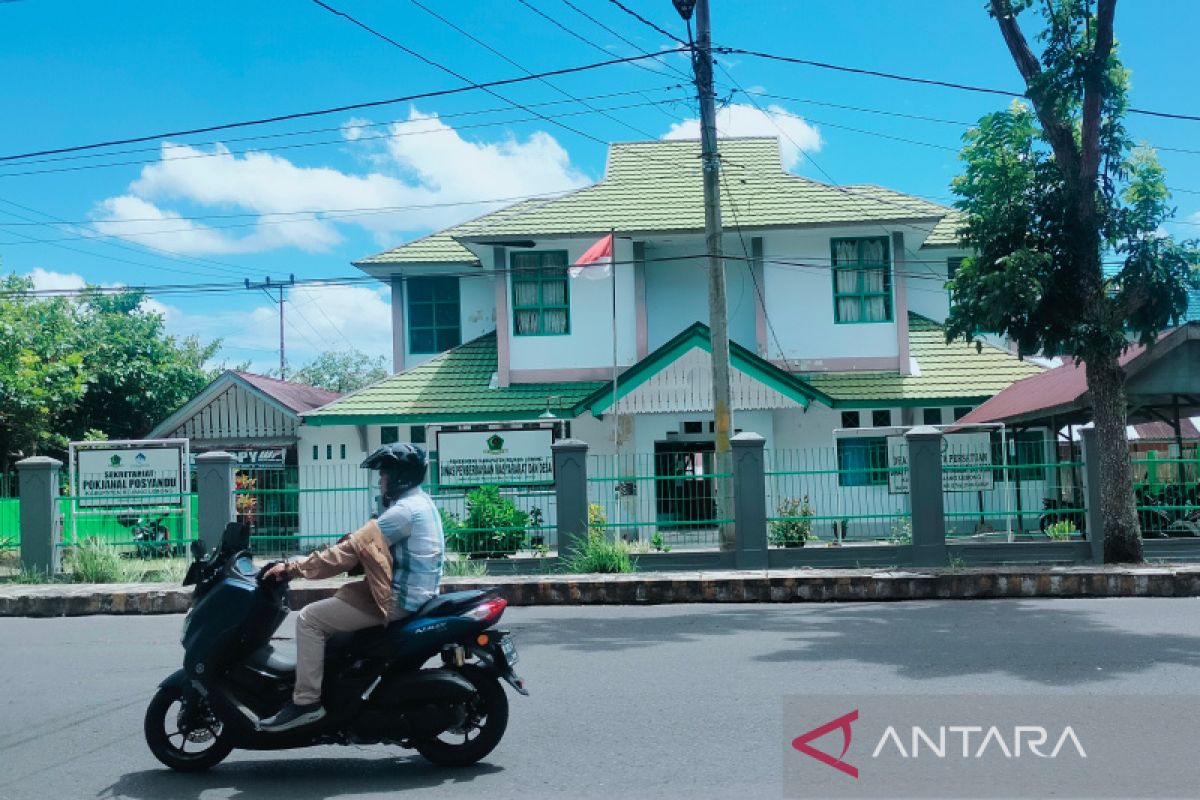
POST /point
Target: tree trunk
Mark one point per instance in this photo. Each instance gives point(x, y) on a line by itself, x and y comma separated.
point(1122, 535)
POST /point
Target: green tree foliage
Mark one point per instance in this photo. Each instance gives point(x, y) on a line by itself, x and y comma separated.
point(1049, 192)
point(101, 365)
point(137, 375)
point(41, 371)
point(342, 371)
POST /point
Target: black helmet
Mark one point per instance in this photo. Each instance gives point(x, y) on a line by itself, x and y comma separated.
point(405, 463)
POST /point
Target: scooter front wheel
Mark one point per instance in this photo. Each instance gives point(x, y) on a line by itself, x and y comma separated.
point(187, 740)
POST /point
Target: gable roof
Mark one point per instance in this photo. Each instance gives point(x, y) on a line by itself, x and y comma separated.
point(454, 386)
point(1064, 389)
point(945, 233)
point(656, 186)
point(288, 398)
point(698, 335)
point(298, 397)
point(945, 374)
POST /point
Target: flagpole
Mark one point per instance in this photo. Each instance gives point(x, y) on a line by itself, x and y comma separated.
point(616, 415)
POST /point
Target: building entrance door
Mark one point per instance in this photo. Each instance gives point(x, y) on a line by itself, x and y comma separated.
point(684, 495)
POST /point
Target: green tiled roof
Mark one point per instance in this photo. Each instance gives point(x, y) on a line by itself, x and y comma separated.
point(454, 386)
point(949, 373)
point(441, 247)
point(657, 186)
point(945, 233)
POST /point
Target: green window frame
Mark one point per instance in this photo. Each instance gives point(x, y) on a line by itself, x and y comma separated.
point(541, 294)
point(862, 280)
point(434, 314)
point(862, 461)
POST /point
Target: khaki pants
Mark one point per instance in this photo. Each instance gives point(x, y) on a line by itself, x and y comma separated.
point(316, 623)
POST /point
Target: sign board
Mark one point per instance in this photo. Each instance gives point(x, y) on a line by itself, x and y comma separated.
point(966, 463)
point(129, 474)
point(259, 459)
point(473, 458)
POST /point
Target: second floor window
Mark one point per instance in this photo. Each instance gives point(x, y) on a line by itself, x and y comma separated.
point(541, 303)
point(434, 322)
point(862, 280)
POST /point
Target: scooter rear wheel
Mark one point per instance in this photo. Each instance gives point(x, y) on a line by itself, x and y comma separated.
point(487, 719)
point(169, 735)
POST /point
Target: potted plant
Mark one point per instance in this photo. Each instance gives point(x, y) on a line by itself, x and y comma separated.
point(793, 526)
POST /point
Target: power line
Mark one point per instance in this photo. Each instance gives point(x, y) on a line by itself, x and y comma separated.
point(924, 81)
point(648, 23)
point(627, 41)
point(589, 42)
point(334, 110)
point(501, 55)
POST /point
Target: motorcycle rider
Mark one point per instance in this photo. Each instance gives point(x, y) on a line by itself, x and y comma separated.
point(401, 556)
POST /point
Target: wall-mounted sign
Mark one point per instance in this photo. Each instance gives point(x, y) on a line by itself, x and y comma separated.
point(966, 463)
point(126, 474)
point(505, 457)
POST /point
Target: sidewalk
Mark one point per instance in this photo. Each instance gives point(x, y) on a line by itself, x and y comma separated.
point(647, 588)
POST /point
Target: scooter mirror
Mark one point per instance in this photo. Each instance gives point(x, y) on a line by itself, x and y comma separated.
point(197, 550)
point(235, 538)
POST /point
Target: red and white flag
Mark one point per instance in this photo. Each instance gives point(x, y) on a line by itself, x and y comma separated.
point(596, 262)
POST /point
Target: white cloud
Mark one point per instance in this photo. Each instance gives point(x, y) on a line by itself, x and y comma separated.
point(47, 280)
point(424, 163)
point(794, 134)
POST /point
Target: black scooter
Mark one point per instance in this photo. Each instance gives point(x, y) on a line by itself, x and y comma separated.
point(377, 687)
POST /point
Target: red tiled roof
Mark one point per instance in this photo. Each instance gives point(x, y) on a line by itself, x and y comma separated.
point(299, 397)
point(1162, 432)
point(1042, 393)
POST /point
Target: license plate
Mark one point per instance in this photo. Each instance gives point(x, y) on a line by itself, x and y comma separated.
point(509, 650)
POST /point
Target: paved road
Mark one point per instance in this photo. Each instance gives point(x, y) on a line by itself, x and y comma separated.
point(667, 701)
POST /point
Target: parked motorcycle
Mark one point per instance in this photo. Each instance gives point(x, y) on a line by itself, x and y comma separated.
point(378, 688)
point(1063, 511)
point(1171, 512)
point(151, 537)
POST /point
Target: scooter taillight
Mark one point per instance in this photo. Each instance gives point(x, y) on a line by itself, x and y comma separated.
point(487, 611)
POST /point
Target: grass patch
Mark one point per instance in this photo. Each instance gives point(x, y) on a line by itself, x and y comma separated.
point(464, 568)
point(599, 554)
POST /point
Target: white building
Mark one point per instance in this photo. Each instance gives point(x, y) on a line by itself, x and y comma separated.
point(835, 299)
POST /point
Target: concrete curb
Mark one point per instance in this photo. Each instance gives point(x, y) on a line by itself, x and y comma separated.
point(775, 586)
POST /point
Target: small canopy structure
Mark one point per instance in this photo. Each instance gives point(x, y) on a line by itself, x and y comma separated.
point(1162, 385)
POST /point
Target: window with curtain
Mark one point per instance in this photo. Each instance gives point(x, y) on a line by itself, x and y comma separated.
point(862, 280)
point(434, 321)
point(541, 301)
point(862, 462)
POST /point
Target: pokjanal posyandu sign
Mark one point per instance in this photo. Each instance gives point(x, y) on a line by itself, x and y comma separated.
point(126, 474)
point(502, 457)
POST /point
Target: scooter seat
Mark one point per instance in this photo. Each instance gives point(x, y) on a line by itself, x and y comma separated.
point(448, 604)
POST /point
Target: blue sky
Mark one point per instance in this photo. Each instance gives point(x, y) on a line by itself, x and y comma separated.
point(83, 72)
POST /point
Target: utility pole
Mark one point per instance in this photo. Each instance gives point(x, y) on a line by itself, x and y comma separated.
point(267, 286)
point(718, 322)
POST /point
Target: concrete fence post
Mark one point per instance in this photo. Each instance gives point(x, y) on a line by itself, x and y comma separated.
point(749, 501)
point(570, 490)
point(214, 495)
point(925, 496)
point(1091, 494)
point(41, 518)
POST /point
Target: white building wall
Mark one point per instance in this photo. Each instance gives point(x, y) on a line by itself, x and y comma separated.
point(799, 296)
point(677, 290)
point(589, 345)
point(927, 294)
point(336, 495)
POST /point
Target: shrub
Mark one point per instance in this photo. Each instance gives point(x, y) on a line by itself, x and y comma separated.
point(901, 531)
point(494, 526)
point(656, 541)
point(96, 561)
point(464, 568)
point(599, 554)
point(794, 526)
point(597, 519)
point(1061, 530)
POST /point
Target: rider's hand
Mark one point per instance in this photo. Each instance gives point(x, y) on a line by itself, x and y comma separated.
point(278, 572)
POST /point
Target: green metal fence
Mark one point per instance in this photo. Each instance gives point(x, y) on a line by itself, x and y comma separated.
point(1167, 492)
point(1005, 487)
point(665, 500)
point(10, 513)
point(835, 495)
point(298, 510)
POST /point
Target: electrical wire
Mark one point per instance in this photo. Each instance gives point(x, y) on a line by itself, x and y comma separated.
point(648, 23)
point(332, 110)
